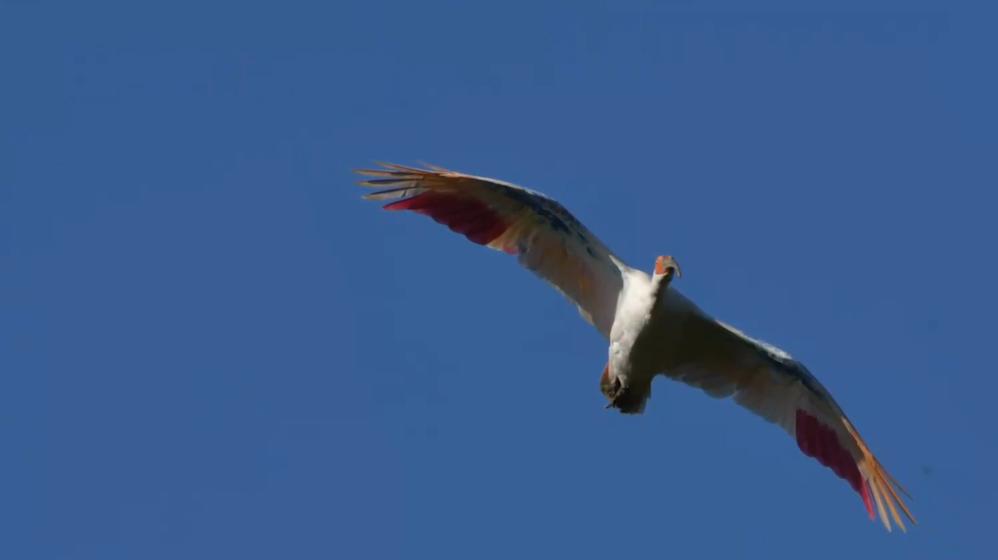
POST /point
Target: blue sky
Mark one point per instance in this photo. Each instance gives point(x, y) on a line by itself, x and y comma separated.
point(211, 347)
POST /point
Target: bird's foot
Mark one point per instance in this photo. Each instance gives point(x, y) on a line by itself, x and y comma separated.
point(616, 394)
point(610, 387)
point(629, 399)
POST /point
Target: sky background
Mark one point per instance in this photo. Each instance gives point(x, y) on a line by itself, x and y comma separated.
point(212, 348)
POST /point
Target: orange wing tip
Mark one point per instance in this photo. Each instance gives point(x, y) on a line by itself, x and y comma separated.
point(866, 476)
point(391, 171)
point(395, 168)
point(434, 168)
point(374, 172)
point(885, 494)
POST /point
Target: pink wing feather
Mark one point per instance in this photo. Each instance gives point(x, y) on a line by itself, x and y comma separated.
point(724, 362)
point(547, 239)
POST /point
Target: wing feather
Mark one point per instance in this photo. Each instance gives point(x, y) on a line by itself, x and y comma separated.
point(547, 239)
point(723, 362)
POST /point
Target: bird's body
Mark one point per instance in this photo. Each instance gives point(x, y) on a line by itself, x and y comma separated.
point(649, 316)
point(651, 327)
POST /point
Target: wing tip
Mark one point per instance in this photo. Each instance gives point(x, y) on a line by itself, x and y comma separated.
point(865, 474)
point(386, 169)
point(885, 490)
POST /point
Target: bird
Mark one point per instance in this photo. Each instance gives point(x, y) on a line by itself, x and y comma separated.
point(651, 327)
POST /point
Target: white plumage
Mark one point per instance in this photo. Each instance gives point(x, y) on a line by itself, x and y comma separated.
point(652, 328)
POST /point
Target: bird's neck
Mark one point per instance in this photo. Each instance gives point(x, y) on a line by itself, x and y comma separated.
point(659, 286)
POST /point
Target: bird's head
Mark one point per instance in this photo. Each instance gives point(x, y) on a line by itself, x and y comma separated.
point(666, 268)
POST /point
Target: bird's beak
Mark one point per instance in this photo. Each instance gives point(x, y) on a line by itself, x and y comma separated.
point(667, 265)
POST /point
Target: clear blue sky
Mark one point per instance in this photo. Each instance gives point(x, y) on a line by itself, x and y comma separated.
point(212, 348)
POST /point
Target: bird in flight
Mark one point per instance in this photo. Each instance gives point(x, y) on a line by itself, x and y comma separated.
point(652, 328)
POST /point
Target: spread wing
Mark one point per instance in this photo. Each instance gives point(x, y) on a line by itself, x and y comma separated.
point(546, 238)
point(724, 362)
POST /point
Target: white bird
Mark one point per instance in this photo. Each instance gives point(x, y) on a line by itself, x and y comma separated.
point(652, 328)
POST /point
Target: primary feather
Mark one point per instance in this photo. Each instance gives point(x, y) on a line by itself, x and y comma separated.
point(547, 239)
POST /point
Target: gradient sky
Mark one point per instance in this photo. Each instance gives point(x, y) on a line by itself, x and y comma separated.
point(212, 348)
